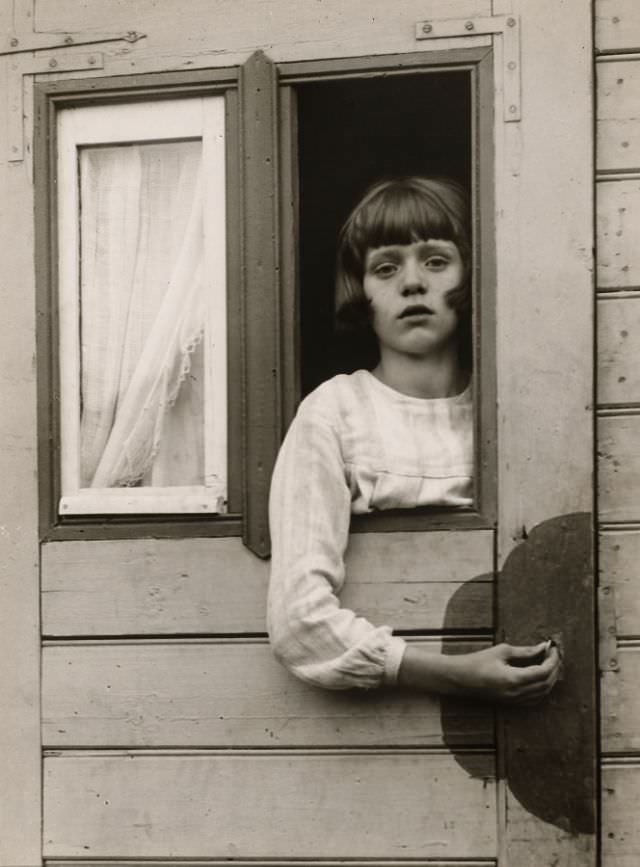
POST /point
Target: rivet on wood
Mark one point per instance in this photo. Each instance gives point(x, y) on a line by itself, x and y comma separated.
point(511, 65)
point(511, 22)
point(469, 25)
point(14, 42)
point(53, 62)
point(427, 28)
point(68, 40)
point(513, 109)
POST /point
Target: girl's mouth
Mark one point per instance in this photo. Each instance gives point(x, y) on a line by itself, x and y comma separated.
point(416, 310)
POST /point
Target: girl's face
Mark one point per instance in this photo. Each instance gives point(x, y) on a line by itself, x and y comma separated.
point(407, 285)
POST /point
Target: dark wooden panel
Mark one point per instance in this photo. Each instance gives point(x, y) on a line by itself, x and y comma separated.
point(264, 805)
point(261, 294)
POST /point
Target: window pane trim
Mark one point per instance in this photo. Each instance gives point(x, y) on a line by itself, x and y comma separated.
point(149, 501)
point(192, 118)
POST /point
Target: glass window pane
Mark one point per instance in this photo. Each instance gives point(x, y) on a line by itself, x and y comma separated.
point(143, 315)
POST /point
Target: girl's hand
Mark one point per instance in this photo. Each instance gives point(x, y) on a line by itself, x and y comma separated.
point(504, 673)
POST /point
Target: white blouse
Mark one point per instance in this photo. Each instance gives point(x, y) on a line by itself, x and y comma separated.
point(355, 446)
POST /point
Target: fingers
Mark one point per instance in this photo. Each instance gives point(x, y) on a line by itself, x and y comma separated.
point(534, 682)
point(526, 652)
point(536, 673)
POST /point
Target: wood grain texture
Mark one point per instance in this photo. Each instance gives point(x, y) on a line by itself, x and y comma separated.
point(229, 694)
point(618, 115)
point(19, 609)
point(620, 571)
point(617, 25)
point(265, 805)
point(620, 826)
point(619, 468)
point(544, 188)
point(300, 32)
point(621, 703)
point(618, 213)
point(428, 862)
point(261, 287)
point(157, 587)
point(619, 350)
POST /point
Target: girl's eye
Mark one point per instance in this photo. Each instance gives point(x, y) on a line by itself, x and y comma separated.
point(436, 263)
point(385, 269)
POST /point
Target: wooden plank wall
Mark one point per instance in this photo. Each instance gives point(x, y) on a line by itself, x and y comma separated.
point(20, 763)
point(618, 399)
point(157, 678)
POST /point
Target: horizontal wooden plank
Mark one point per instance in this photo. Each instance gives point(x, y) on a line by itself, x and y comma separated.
point(216, 586)
point(617, 25)
point(619, 350)
point(265, 805)
point(620, 570)
point(227, 695)
point(428, 862)
point(621, 703)
point(620, 826)
point(618, 113)
point(619, 468)
point(618, 214)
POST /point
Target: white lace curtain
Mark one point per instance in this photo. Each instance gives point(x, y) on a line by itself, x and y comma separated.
point(142, 315)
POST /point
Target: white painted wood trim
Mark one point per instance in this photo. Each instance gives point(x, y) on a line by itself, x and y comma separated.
point(194, 118)
point(215, 281)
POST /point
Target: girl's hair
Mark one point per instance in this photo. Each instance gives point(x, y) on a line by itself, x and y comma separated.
point(398, 211)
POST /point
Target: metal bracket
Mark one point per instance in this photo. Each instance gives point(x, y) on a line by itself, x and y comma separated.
point(506, 26)
point(19, 67)
point(21, 45)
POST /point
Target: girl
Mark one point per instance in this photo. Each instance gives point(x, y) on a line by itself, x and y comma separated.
point(396, 436)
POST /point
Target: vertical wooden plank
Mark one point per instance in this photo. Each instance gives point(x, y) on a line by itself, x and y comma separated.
point(261, 289)
point(545, 337)
point(289, 204)
point(20, 828)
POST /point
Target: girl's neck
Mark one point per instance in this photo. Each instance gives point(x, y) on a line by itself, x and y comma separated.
point(433, 376)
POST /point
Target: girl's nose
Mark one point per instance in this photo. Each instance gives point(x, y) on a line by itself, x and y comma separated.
point(413, 282)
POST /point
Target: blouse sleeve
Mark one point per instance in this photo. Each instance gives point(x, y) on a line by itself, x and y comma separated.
point(309, 512)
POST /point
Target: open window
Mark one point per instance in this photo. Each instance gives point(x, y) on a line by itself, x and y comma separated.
point(352, 132)
point(346, 124)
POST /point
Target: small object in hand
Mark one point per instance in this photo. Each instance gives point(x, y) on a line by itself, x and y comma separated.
point(538, 659)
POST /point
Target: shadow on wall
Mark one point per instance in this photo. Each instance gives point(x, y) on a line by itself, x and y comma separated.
point(545, 589)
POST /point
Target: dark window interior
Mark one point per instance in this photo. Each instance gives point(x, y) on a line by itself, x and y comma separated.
point(353, 132)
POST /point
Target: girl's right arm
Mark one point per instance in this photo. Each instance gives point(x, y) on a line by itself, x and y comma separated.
point(315, 637)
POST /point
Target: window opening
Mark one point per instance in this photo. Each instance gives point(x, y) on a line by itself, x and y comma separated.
point(352, 132)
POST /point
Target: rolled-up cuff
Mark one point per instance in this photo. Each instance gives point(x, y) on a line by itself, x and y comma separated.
point(393, 658)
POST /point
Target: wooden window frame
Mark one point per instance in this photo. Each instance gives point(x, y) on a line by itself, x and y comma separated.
point(50, 98)
point(479, 63)
point(262, 305)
